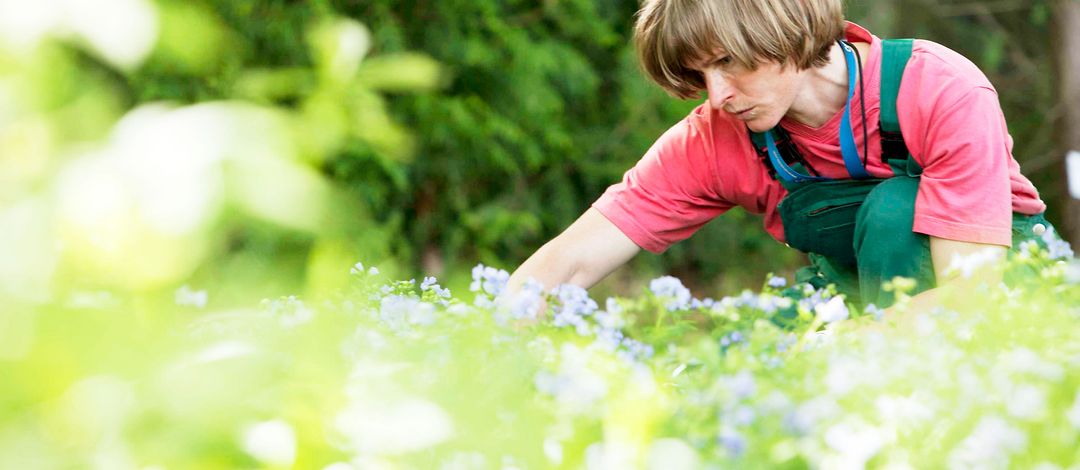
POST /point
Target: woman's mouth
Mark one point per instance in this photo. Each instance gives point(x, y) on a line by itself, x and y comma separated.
point(745, 114)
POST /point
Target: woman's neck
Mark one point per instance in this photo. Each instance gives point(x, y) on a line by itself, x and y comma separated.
point(824, 89)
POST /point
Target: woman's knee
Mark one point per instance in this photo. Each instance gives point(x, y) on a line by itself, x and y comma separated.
point(888, 213)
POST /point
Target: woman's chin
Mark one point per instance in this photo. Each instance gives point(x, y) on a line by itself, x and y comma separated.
point(758, 124)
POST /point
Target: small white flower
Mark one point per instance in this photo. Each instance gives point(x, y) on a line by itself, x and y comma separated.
point(402, 426)
point(856, 442)
point(609, 455)
point(1074, 413)
point(832, 311)
point(1072, 272)
point(187, 297)
point(989, 445)
point(553, 450)
point(672, 454)
point(1027, 402)
point(968, 265)
point(845, 374)
point(271, 442)
point(874, 311)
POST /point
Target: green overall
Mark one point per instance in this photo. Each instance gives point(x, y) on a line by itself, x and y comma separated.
point(858, 232)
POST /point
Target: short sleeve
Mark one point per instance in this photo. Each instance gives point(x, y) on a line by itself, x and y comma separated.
point(957, 133)
point(670, 193)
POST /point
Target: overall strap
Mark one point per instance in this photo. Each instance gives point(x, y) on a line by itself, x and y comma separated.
point(790, 154)
point(852, 161)
point(894, 152)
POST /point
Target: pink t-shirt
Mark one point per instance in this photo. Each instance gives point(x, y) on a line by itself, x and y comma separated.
point(952, 125)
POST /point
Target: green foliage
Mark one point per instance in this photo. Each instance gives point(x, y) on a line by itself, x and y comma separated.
point(181, 147)
point(459, 131)
point(542, 106)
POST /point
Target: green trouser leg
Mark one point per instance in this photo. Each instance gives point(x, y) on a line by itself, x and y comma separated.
point(886, 247)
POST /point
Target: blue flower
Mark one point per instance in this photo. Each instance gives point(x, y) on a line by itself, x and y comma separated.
point(636, 349)
point(574, 299)
point(1057, 247)
point(786, 342)
point(610, 339)
point(672, 288)
point(489, 280)
point(812, 298)
point(742, 385)
point(399, 311)
point(428, 282)
point(707, 302)
point(777, 282)
point(741, 416)
point(358, 269)
point(732, 442)
point(431, 284)
point(877, 313)
point(612, 306)
point(526, 303)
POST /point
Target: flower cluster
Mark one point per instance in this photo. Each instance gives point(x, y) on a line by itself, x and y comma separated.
point(571, 308)
point(489, 280)
point(671, 288)
point(442, 295)
point(397, 372)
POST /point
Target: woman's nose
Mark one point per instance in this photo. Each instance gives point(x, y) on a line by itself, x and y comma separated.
point(719, 89)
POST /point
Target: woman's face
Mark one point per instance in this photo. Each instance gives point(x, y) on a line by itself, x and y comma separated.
point(759, 97)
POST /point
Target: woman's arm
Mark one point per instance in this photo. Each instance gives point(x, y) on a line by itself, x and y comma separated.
point(943, 252)
point(587, 251)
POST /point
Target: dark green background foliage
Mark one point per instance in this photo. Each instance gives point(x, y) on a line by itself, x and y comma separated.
point(542, 107)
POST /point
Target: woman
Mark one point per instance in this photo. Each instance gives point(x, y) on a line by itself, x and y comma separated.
point(800, 107)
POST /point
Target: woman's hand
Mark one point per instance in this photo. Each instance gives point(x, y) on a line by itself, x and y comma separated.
point(587, 251)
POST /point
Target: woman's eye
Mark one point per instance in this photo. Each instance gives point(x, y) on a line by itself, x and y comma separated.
point(723, 61)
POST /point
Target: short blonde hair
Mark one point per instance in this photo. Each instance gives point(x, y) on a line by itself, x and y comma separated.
point(670, 35)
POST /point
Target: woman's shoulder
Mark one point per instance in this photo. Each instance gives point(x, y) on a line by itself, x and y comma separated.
point(935, 63)
point(713, 127)
point(712, 145)
point(702, 137)
point(938, 79)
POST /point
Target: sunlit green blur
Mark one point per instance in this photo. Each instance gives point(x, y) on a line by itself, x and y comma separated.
point(403, 375)
point(102, 193)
